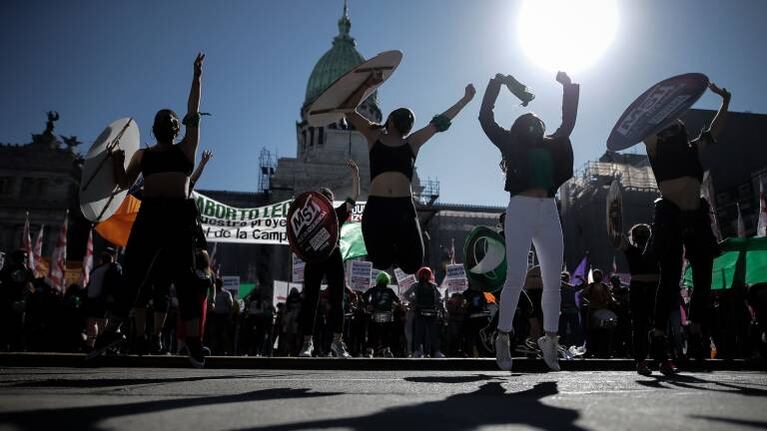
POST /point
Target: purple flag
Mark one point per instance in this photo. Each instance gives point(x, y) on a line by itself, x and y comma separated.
point(579, 275)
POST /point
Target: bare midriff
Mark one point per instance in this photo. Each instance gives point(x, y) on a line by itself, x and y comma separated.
point(684, 192)
point(536, 192)
point(166, 185)
point(390, 185)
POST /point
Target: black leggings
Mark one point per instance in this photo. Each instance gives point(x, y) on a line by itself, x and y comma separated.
point(160, 251)
point(642, 301)
point(380, 335)
point(673, 229)
point(331, 268)
point(392, 233)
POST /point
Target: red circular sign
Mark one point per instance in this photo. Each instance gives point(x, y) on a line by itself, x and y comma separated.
point(312, 227)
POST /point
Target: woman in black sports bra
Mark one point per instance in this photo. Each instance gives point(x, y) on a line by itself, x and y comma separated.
point(390, 223)
point(161, 247)
point(681, 225)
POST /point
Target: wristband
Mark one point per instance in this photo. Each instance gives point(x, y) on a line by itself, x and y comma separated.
point(193, 119)
point(440, 122)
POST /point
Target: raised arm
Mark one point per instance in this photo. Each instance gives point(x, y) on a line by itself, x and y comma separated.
point(441, 122)
point(360, 123)
point(717, 124)
point(355, 184)
point(206, 156)
point(486, 115)
point(569, 105)
point(126, 177)
point(192, 118)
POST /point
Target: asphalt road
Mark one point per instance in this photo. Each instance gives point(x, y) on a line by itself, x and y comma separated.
point(145, 399)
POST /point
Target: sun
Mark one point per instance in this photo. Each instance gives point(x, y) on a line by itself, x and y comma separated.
point(568, 35)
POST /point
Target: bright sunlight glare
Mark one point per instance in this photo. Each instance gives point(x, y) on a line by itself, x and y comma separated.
point(568, 35)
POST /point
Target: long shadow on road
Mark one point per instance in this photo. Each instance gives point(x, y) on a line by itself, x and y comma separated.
point(105, 383)
point(691, 382)
point(489, 405)
point(88, 418)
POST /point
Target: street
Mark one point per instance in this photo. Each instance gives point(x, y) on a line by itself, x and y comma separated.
point(148, 399)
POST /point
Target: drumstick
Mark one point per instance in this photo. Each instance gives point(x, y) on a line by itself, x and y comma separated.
point(115, 142)
point(111, 198)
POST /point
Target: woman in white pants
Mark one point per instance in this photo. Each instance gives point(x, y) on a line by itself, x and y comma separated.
point(535, 166)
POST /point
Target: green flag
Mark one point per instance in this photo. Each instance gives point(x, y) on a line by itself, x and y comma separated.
point(743, 261)
point(352, 244)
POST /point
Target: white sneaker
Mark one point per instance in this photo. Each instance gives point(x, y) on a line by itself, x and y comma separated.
point(307, 349)
point(503, 351)
point(338, 349)
point(549, 346)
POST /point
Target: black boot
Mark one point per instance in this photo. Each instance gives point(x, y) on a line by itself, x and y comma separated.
point(196, 356)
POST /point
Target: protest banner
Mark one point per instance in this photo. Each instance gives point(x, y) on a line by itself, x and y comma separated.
point(360, 273)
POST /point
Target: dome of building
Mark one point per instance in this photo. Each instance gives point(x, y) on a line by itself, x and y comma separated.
point(342, 57)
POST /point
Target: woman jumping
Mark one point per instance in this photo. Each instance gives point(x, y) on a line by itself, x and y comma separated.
point(390, 223)
point(535, 166)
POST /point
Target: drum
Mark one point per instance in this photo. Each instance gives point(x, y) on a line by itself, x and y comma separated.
point(312, 227)
point(383, 317)
point(100, 196)
point(328, 107)
point(651, 112)
point(604, 319)
point(485, 259)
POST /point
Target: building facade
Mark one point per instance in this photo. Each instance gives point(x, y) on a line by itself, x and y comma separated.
point(42, 178)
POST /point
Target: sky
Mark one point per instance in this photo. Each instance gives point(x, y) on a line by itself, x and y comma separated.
point(97, 61)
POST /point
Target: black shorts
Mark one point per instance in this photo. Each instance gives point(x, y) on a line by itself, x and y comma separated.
point(392, 233)
point(160, 250)
point(94, 308)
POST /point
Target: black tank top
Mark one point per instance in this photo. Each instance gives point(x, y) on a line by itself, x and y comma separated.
point(676, 158)
point(391, 159)
point(641, 261)
point(173, 160)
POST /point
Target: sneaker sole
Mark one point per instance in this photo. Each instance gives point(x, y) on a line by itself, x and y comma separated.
point(96, 353)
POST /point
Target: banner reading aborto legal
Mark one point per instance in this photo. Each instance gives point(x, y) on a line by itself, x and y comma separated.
point(261, 225)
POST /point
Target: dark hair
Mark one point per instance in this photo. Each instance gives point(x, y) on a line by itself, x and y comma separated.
point(327, 193)
point(401, 119)
point(527, 128)
point(166, 126)
point(675, 132)
point(202, 261)
point(635, 230)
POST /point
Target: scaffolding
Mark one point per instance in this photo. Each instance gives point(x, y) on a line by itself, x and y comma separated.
point(266, 165)
point(429, 192)
point(595, 175)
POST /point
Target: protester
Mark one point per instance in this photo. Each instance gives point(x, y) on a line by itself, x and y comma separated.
point(380, 301)
point(220, 324)
point(601, 320)
point(535, 166)
point(104, 280)
point(426, 301)
point(570, 327)
point(681, 222)
point(390, 224)
point(161, 246)
point(331, 268)
point(477, 317)
point(15, 287)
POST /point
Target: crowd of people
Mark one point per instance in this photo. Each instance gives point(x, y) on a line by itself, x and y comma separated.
point(595, 320)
